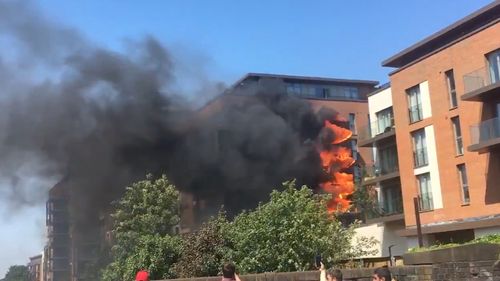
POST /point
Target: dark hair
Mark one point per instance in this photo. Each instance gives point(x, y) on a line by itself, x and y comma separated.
point(383, 272)
point(228, 270)
point(335, 273)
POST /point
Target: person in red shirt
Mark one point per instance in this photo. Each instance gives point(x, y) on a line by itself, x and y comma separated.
point(142, 275)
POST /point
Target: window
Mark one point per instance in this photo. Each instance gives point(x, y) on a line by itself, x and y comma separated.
point(352, 122)
point(293, 89)
point(385, 120)
point(414, 104)
point(424, 188)
point(419, 148)
point(354, 149)
point(392, 200)
point(494, 66)
point(459, 148)
point(326, 93)
point(308, 91)
point(452, 92)
point(464, 184)
point(388, 159)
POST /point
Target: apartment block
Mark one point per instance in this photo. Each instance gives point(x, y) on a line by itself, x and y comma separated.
point(57, 251)
point(381, 178)
point(347, 97)
point(35, 268)
point(446, 109)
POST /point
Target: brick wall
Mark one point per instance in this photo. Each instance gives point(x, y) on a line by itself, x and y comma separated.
point(478, 270)
point(448, 271)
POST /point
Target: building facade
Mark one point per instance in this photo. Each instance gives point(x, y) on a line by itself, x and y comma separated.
point(445, 100)
point(381, 179)
point(57, 251)
point(346, 97)
point(35, 268)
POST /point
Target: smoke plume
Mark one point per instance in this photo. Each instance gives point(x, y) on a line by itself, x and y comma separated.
point(97, 119)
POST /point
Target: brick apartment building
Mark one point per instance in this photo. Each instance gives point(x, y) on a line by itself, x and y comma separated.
point(446, 111)
point(382, 179)
point(69, 249)
point(35, 268)
point(347, 97)
point(57, 251)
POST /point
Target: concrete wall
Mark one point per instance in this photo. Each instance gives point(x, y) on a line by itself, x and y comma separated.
point(426, 99)
point(385, 233)
point(480, 232)
point(377, 103)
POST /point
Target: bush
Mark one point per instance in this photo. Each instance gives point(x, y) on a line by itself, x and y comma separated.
point(492, 239)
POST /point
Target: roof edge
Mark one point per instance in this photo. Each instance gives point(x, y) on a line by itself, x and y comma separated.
point(393, 60)
point(309, 78)
point(379, 89)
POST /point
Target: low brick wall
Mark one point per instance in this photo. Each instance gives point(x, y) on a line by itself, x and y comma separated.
point(461, 271)
point(467, 262)
point(401, 273)
point(478, 262)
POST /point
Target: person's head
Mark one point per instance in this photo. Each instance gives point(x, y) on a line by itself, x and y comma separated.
point(142, 275)
point(334, 275)
point(228, 270)
point(381, 274)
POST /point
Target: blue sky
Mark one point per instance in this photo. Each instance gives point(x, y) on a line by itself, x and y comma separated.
point(228, 38)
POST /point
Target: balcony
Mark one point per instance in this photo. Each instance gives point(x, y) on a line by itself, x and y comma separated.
point(426, 202)
point(415, 113)
point(420, 158)
point(378, 173)
point(485, 135)
point(479, 85)
point(391, 210)
point(376, 132)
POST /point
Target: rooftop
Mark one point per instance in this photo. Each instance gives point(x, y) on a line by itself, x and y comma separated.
point(380, 89)
point(459, 30)
point(307, 79)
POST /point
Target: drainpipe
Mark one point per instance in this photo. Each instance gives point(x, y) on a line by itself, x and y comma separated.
point(390, 255)
point(417, 219)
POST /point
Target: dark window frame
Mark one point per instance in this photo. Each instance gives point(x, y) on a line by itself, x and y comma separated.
point(452, 88)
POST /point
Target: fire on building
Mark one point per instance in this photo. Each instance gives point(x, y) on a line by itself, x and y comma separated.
point(336, 159)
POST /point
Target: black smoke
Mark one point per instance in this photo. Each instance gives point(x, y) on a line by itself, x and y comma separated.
point(98, 119)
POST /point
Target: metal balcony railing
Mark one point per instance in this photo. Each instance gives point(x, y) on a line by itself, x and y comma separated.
point(478, 79)
point(425, 201)
point(485, 131)
point(415, 113)
point(420, 157)
point(387, 208)
point(377, 170)
point(375, 128)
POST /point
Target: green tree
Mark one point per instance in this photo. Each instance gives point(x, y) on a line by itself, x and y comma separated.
point(17, 273)
point(364, 201)
point(286, 233)
point(204, 251)
point(144, 219)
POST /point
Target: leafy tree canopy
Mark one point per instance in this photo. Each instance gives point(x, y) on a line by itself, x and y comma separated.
point(144, 219)
point(17, 273)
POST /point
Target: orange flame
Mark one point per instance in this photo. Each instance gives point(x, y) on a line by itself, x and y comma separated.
point(334, 159)
point(341, 134)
